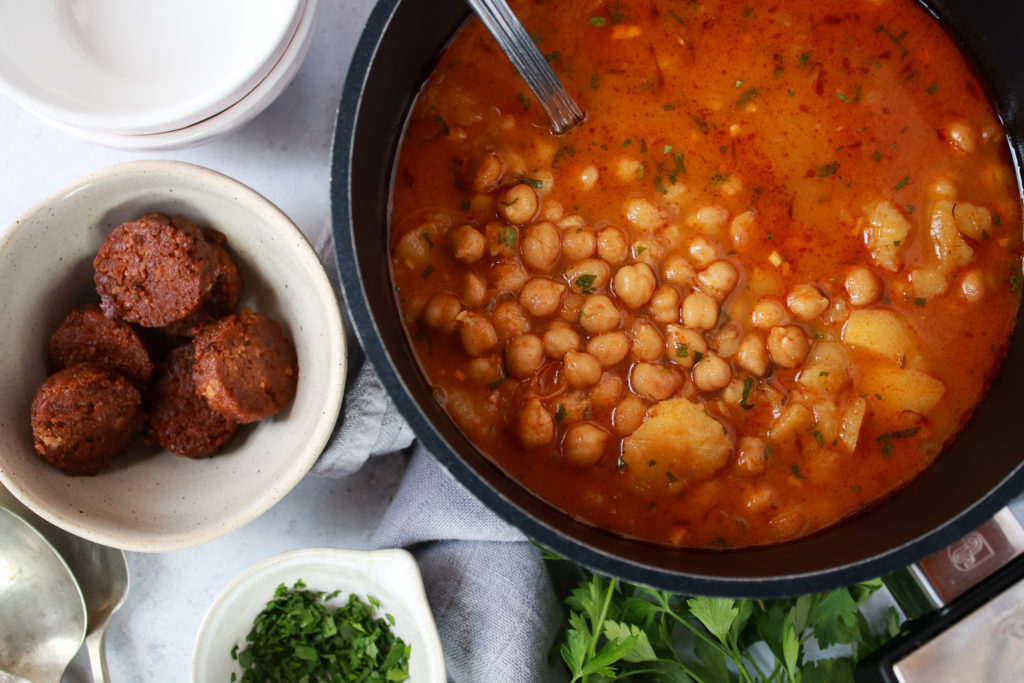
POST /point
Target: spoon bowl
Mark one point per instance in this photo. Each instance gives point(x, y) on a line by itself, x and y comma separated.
point(42, 612)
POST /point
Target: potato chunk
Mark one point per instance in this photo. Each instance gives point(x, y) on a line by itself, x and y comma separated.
point(900, 389)
point(886, 235)
point(950, 247)
point(679, 440)
point(887, 333)
point(827, 370)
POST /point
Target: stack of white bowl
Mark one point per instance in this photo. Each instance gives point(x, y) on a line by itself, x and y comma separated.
point(150, 75)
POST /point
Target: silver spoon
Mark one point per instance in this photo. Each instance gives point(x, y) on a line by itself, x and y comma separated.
point(517, 45)
point(102, 575)
point(42, 613)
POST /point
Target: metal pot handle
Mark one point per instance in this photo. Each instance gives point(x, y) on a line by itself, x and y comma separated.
point(965, 610)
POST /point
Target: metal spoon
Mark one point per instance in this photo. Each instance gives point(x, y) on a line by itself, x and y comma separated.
point(517, 45)
point(42, 612)
point(102, 575)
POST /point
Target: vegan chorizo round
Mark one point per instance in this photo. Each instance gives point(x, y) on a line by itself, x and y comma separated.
point(245, 368)
point(88, 336)
point(154, 270)
point(83, 416)
point(178, 418)
point(223, 296)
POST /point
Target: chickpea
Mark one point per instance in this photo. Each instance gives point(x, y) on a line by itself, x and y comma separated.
point(634, 284)
point(683, 346)
point(541, 296)
point(477, 333)
point(588, 275)
point(642, 213)
point(609, 348)
point(653, 381)
point(413, 249)
point(474, 289)
point(645, 341)
point(589, 176)
point(629, 415)
point(606, 393)
point(750, 455)
point(727, 340)
point(580, 369)
point(718, 279)
point(541, 245)
point(599, 314)
point(578, 243)
point(768, 313)
point(741, 228)
point(807, 302)
point(664, 304)
point(552, 211)
point(703, 251)
point(612, 246)
point(510, 320)
point(962, 136)
point(677, 271)
point(441, 311)
point(487, 172)
point(752, 355)
point(700, 311)
point(467, 243)
point(534, 424)
point(972, 286)
point(507, 277)
point(414, 304)
point(584, 444)
point(788, 346)
point(524, 355)
point(519, 204)
point(711, 373)
point(572, 307)
point(501, 239)
point(485, 369)
point(559, 339)
point(863, 286)
point(711, 218)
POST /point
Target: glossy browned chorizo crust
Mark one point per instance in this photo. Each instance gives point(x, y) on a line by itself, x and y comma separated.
point(178, 418)
point(153, 271)
point(223, 296)
point(245, 367)
point(83, 416)
point(88, 336)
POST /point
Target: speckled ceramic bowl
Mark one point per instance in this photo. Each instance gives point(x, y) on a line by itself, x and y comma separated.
point(390, 576)
point(153, 500)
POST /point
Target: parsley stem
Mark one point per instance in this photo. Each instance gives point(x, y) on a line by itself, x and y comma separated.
point(599, 626)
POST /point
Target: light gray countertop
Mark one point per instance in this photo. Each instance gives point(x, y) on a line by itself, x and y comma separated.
point(284, 154)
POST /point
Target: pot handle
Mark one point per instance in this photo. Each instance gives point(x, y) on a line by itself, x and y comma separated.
point(965, 610)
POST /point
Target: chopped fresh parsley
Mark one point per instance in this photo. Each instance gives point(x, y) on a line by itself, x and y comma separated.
point(932, 88)
point(430, 242)
point(597, 22)
point(507, 236)
point(585, 282)
point(298, 637)
point(681, 350)
point(748, 383)
point(560, 413)
point(427, 271)
point(899, 185)
point(920, 301)
point(828, 169)
point(795, 469)
point(746, 96)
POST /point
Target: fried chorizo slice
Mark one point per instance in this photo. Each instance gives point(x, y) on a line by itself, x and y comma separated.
point(88, 336)
point(154, 271)
point(179, 419)
point(223, 296)
point(84, 416)
point(246, 368)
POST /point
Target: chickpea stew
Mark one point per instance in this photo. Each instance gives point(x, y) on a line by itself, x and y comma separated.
point(760, 287)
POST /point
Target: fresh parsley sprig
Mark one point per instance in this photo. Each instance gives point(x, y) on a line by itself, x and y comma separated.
point(620, 631)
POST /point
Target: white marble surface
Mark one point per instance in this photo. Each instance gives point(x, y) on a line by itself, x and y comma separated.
point(284, 154)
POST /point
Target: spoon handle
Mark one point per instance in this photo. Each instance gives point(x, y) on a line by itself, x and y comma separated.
point(94, 643)
point(517, 45)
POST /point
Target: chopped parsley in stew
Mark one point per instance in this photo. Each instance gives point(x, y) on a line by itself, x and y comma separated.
point(759, 288)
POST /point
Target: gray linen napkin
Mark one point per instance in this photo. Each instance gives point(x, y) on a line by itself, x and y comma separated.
point(490, 592)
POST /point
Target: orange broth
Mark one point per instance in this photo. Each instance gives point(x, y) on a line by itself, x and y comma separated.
point(794, 142)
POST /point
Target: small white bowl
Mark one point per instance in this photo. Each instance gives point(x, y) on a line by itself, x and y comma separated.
point(156, 501)
point(390, 576)
point(139, 67)
point(224, 122)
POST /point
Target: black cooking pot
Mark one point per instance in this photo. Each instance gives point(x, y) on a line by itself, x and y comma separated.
point(977, 475)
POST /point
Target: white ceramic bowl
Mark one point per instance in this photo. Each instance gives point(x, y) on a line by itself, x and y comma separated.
point(391, 576)
point(156, 501)
point(139, 67)
point(223, 122)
